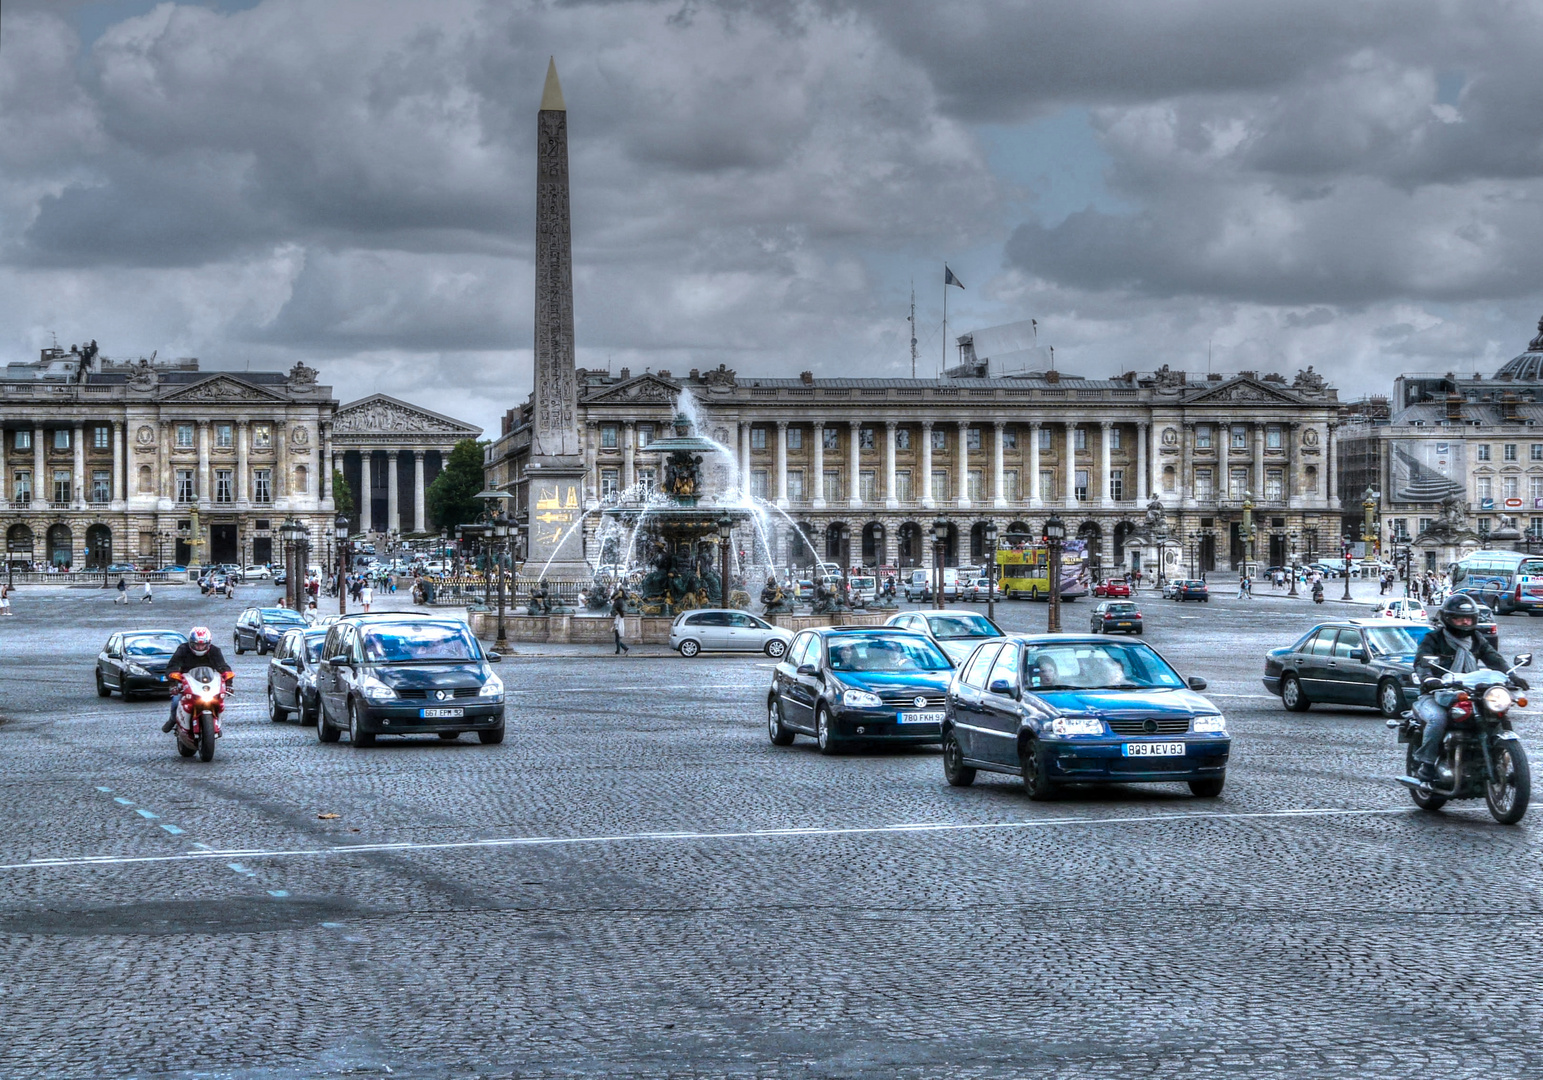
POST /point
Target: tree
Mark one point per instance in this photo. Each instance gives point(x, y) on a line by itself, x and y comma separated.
point(452, 497)
point(342, 495)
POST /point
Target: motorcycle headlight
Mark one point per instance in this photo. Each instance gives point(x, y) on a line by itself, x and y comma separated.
point(492, 688)
point(376, 690)
point(1210, 723)
point(1497, 699)
point(860, 699)
point(135, 669)
point(1077, 725)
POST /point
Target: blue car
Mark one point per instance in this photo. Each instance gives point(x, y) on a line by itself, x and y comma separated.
point(261, 628)
point(1059, 709)
point(846, 684)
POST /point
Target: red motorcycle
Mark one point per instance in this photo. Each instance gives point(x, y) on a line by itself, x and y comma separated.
point(199, 706)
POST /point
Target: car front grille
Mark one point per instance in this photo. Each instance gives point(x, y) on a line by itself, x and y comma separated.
point(420, 694)
point(901, 699)
point(1164, 725)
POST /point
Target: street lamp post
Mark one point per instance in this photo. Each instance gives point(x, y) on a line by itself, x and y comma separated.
point(501, 535)
point(340, 530)
point(1291, 538)
point(1055, 532)
point(939, 539)
point(289, 533)
point(725, 537)
point(1246, 533)
point(991, 570)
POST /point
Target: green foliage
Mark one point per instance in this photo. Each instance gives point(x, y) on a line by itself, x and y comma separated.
point(342, 495)
point(452, 497)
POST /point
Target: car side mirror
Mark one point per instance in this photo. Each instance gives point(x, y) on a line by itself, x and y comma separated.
point(1196, 683)
point(495, 658)
point(1358, 654)
point(1003, 687)
point(809, 669)
point(337, 661)
point(1523, 659)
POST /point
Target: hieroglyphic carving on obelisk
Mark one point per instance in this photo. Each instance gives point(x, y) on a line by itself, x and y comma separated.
point(555, 431)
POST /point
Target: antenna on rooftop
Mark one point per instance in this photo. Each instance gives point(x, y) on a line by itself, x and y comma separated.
point(1052, 358)
point(912, 321)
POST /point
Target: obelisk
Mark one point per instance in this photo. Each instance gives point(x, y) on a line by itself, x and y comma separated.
point(555, 470)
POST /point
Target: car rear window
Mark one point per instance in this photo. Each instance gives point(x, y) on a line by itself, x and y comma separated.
point(1121, 609)
point(398, 644)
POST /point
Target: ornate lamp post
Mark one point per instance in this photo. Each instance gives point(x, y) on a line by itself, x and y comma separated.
point(1291, 538)
point(289, 533)
point(939, 539)
point(501, 539)
point(725, 538)
point(1246, 533)
point(1055, 533)
point(991, 569)
point(340, 531)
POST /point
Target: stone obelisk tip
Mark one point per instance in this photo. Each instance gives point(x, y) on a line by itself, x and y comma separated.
point(552, 93)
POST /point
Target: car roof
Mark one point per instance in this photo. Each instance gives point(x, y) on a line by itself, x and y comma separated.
point(151, 633)
point(1072, 639)
point(860, 631)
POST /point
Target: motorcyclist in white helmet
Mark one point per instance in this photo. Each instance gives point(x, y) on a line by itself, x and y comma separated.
point(198, 651)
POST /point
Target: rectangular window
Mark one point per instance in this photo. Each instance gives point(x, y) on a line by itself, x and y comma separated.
point(972, 438)
point(1047, 484)
point(1401, 528)
point(1114, 438)
point(1204, 491)
point(1117, 484)
point(101, 486)
point(24, 440)
point(1483, 452)
point(1508, 487)
point(224, 436)
point(1425, 523)
point(1010, 485)
point(1239, 437)
point(262, 437)
point(758, 483)
point(867, 485)
point(608, 436)
point(832, 482)
point(645, 434)
point(1274, 485)
point(1535, 527)
point(224, 486)
point(1484, 487)
point(1510, 451)
point(795, 438)
point(795, 482)
point(977, 485)
point(830, 438)
point(865, 438)
point(939, 439)
point(758, 438)
point(1203, 436)
point(1237, 484)
point(903, 490)
point(262, 482)
point(648, 477)
point(1044, 439)
point(186, 490)
point(184, 436)
point(1537, 451)
point(61, 438)
point(1535, 489)
point(1009, 439)
point(21, 486)
point(610, 482)
point(101, 438)
point(1080, 485)
point(1080, 440)
point(1272, 437)
point(902, 438)
point(61, 485)
point(939, 484)
point(1484, 526)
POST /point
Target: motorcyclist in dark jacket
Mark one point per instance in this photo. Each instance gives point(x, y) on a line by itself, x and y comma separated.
point(1455, 647)
point(199, 650)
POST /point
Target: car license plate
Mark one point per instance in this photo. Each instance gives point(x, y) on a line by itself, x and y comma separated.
point(1154, 749)
point(441, 714)
point(1123, 626)
point(919, 717)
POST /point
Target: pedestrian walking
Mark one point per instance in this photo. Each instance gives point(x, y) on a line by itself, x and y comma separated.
point(366, 594)
point(123, 592)
point(5, 599)
point(619, 621)
point(147, 597)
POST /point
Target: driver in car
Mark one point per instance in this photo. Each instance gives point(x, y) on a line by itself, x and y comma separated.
point(1042, 673)
point(199, 650)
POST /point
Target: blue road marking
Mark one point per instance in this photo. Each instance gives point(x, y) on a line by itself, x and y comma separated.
point(202, 847)
point(172, 829)
point(333, 925)
point(106, 789)
point(147, 815)
point(120, 800)
point(238, 868)
point(280, 893)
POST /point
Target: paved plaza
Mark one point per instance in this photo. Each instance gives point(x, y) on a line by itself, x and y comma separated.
point(638, 883)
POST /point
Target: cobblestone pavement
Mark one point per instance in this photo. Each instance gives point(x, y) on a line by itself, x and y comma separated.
point(669, 923)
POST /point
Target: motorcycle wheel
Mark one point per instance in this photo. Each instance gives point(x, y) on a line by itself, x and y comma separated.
point(1422, 800)
point(206, 737)
point(1508, 792)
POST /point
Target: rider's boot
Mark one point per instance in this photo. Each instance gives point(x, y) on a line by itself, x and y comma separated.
point(171, 722)
point(1427, 772)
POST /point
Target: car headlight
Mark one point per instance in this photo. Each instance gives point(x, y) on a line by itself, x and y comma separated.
point(860, 699)
point(1497, 699)
point(1077, 725)
point(1210, 723)
point(135, 669)
point(376, 690)
point(494, 687)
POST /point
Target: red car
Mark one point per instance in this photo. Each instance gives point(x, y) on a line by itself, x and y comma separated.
point(1112, 588)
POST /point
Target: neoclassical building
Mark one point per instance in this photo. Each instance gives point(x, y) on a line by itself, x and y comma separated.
point(389, 451)
point(864, 466)
point(157, 462)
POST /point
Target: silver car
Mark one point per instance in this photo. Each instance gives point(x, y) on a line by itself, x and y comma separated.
point(955, 632)
point(726, 630)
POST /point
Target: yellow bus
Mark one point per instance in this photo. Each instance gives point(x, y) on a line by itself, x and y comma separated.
point(1025, 572)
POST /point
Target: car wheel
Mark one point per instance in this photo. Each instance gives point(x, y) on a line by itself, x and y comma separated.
point(240, 650)
point(261, 651)
point(356, 736)
point(823, 734)
point(1292, 695)
point(491, 738)
point(102, 689)
point(775, 648)
point(1390, 699)
point(955, 771)
point(775, 731)
point(1034, 780)
point(1207, 788)
point(325, 732)
point(689, 648)
point(276, 712)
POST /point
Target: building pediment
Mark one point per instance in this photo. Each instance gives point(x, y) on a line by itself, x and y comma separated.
point(381, 414)
point(223, 390)
point(645, 388)
point(1242, 391)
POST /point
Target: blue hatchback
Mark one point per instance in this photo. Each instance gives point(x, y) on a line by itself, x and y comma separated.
point(1062, 709)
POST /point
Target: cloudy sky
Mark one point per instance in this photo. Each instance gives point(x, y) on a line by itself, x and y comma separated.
point(1355, 186)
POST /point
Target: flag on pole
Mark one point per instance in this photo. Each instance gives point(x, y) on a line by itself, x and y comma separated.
point(949, 278)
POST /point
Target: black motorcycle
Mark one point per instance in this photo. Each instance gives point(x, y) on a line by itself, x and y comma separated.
point(1481, 754)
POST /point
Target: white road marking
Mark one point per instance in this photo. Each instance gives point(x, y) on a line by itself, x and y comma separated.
point(645, 837)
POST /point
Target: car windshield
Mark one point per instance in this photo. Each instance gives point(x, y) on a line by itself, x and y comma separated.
point(1097, 666)
point(280, 615)
point(429, 641)
point(153, 645)
point(886, 654)
point(954, 627)
point(1392, 639)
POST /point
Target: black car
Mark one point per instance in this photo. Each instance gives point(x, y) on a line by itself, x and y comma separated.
point(261, 627)
point(407, 676)
point(134, 662)
point(1348, 662)
point(1116, 617)
point(858, 684)
point(1191, 589)
point(292, 674)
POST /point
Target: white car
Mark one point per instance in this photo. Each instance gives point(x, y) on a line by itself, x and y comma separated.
point(955, 632)
point(727, 630)
point(1408, 610)
point(256, 571)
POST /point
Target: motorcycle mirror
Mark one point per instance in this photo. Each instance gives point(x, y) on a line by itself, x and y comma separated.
point(1430, 686)
point(1522, 659)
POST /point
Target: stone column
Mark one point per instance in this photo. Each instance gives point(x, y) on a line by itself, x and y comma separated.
point(591, 466)
point(120, 433)
point(891, 497)
point(1291, 438)
point(5, 472)
point(205, 495)
point(782, 463)
point(998, 495)
point(962, 456)
point(1142, 493)
point(366, 482)
point(818, 499)
point(744, 458)
point(78, 472)
point(420, 514)
point(1069, 466)
point(1224, 461)
point(1258, 484)
point(324, 466)
point(393, 487)
point(1187, 466)
point(165, 493)
point(41, 490)
point(1035, 497)
point(243, 471)
point(1332, 457)
point(281, 459)
point(855, 489)
point(926, 466)
point(1105, 492)
point(629, 474)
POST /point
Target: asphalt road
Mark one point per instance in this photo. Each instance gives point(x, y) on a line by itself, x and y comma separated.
point(638, 883)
